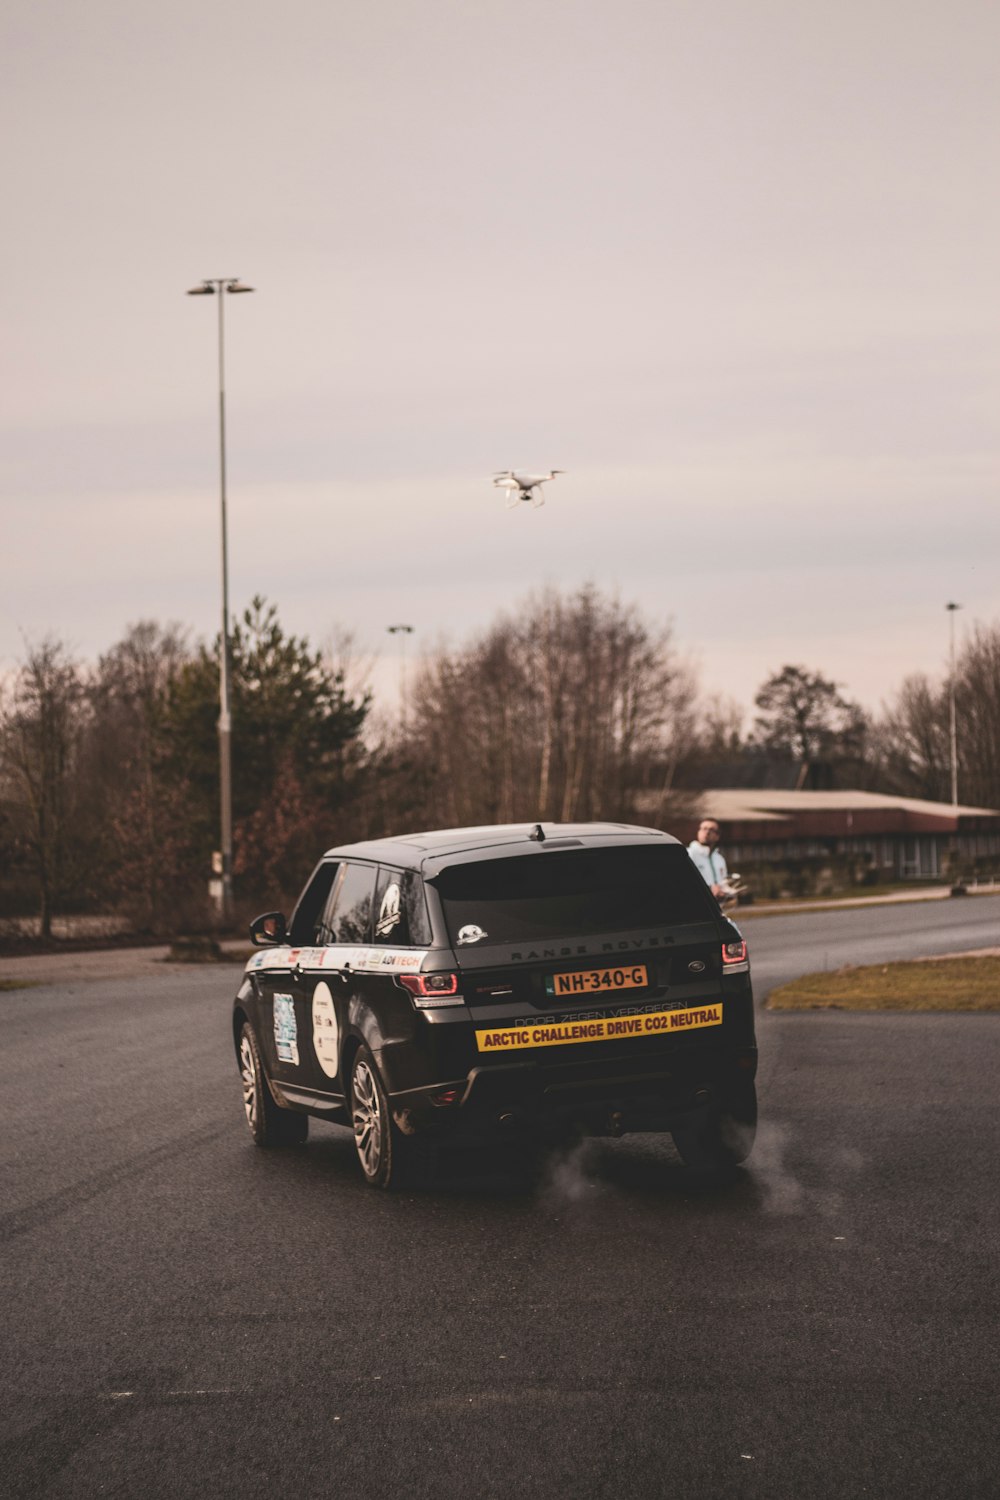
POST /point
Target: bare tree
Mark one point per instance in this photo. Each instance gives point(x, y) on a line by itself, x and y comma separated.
point(570, 709)
point(803, 715)
point(147, 852)
point(910, 742)
point(977, 695)
point(41, 731)
point(720, 732)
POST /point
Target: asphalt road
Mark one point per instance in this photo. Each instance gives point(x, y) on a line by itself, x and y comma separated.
point(187, 1316)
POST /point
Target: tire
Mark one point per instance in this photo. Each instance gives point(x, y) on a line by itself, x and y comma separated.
point(385, 1154)
point(722, 1140)
point(269, 1124)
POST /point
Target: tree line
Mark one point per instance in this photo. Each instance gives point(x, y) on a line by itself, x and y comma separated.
point(574, 706)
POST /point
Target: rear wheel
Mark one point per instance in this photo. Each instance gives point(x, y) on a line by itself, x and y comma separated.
point(384, 1152)
point(722, 1139)
point(269, 1124)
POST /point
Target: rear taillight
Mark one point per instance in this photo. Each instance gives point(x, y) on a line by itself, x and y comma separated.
point(431, 990)
point(734, 958)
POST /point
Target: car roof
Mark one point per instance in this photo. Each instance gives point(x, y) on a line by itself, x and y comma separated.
point(431, 851)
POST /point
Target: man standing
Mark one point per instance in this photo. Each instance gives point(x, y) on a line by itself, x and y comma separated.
point(704, 850)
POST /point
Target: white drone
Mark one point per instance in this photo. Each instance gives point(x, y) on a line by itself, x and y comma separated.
point(527, 487)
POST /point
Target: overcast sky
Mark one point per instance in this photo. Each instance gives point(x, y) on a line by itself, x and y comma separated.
point(732, 264)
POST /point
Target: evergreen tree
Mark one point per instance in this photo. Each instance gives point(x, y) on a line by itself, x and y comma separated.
point(296, 745)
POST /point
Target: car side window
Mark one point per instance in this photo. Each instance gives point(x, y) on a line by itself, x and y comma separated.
point(400, 910)
point(349, 914)
point(308, 912)
point(415, 910)
point(323, 932)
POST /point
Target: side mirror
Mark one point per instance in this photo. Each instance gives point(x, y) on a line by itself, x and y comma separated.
point(269, 930)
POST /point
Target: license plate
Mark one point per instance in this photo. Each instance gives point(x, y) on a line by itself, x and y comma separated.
point(596, 981)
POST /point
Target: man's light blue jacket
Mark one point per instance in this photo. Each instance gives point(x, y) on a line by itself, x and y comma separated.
point(711, 865)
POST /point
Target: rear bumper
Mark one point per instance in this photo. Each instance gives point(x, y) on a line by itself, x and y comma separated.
point(639, 1093)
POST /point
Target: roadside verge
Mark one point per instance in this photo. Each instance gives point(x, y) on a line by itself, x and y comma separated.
point(85, 966)
point(943, 982)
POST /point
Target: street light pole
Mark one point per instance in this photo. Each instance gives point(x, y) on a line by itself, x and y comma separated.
point(953, 717)
point(221, 286)
point(404, 631)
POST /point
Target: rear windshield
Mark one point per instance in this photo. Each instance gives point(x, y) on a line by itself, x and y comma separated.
point(580, 894)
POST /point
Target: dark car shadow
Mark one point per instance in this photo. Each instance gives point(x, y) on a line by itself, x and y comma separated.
point(571, 1173)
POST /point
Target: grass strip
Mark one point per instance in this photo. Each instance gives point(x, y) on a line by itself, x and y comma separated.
point(971, 984)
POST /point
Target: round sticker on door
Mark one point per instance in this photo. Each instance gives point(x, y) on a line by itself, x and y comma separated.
point(326, 1032)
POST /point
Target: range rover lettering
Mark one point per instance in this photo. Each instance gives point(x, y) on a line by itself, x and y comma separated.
point(517, 981)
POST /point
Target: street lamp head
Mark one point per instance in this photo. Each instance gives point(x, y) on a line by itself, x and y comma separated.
point(209, 287)
point(953, 606)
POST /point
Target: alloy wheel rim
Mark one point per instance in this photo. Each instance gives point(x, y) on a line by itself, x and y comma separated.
point(367, 1114)
point(248, 1075)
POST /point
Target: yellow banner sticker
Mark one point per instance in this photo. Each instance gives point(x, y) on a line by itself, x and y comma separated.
point(600, 1029)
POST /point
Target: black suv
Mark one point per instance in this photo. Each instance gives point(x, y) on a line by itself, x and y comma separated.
point(515, 981)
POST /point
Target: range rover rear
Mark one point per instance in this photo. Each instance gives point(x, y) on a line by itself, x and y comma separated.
point(517, 981)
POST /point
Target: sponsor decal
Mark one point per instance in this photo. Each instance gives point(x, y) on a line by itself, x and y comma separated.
point(380, 959)
point(471, 934)
point(563, 1033)
point(362, 960)
point(271, 958)
point(605, 1013)
point(388, 912)
point(326, 1032)
point(286, 1031)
